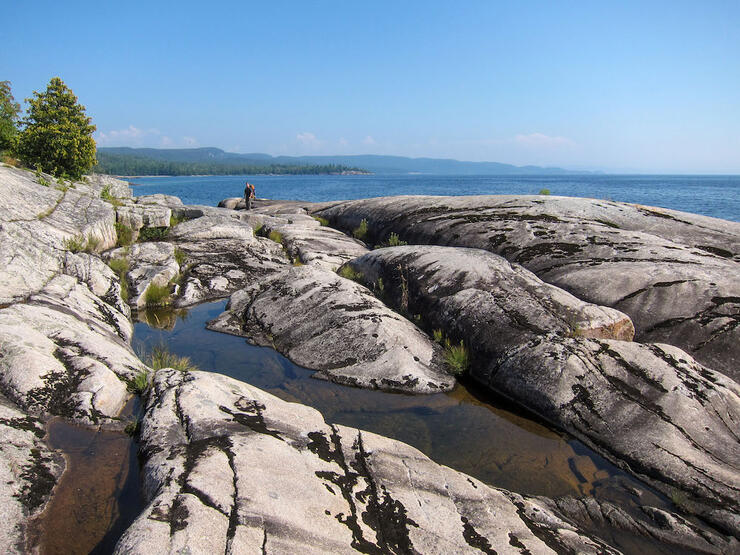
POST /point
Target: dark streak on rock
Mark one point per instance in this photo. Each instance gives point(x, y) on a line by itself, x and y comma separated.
point(474, 539)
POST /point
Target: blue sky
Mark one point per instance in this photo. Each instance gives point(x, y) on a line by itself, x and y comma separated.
point(621, 86)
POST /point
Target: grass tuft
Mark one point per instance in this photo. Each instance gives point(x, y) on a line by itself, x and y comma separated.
point(275, 236)
point(124, 234)
point(161, 357)
point(348, 272)
point(140, 383)
point(438, 335)
point(153, 234)
point(456, 357)
point(157, 295)
point(78, 243)
point(360, 232)
point(107, 196)
point(175, 219)
point(179, 256)
point(322, 221)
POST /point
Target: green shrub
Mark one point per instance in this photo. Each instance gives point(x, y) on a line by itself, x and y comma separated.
point(78, 243)
point(275, 236)
point(153, 233)
point(544, 191)
point(179, 256)
point(456, 357)
point(380, 286)
point(119, 265)
point(161, 357)
point(107, 196)
point(174, 219)
point(124, 234)
point(438, 335)
point(346, 271)
point(44, 182)
point(157, 295)
point(322, 221)
point(139, 383)
point(394, 241)
point(124, 288)
point(360, 232)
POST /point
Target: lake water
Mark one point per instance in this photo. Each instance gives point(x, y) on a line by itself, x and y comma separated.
point(716, 196)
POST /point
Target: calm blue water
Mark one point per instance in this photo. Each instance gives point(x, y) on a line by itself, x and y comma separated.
point(717, 196)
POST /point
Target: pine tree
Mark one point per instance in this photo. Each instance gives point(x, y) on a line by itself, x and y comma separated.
point(57, 135)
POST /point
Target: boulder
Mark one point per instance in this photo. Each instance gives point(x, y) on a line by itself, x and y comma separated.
point(230, 468)
point(149, 263)
point(29, 470)
point(66, 353)
point(649, 408)
point(34, 236)
point(673, 273)
point(222, 255)
point(138, 216)
point(333, 325)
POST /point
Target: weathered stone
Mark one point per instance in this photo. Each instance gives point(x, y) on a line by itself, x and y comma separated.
point(328, 323)
point(222, 255)
point(100, 279)
point(673, 273)
point(225, 461)
point(138, 216)
point(28, 472)
point(168, 201)
point(149, 263)
point(33, 236)
point(116, 187)
point(65, 352)
point(487, 290)
point(649, 408)
point(308, 242)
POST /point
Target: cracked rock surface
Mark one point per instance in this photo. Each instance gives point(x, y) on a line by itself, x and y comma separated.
point(650, 408)
point(224, 461)
point(675, 274)
point(328, 323)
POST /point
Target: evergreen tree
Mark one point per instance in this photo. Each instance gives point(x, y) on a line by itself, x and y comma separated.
point(57, 135)
point(9, 110)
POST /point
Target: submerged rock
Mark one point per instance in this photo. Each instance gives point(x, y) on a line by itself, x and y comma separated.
point(325, 322)
point(29, 470)
point(225, 462)
point(675, 274)
point(649, 408)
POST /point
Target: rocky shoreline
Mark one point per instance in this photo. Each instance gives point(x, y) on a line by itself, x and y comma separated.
point(545, 294)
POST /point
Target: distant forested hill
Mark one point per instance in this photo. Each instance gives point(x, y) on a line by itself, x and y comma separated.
point(182, 161)
point(205, 161)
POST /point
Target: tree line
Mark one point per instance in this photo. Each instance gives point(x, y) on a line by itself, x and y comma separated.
point(122, 164)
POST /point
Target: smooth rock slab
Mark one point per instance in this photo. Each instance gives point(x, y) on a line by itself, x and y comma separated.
point(649, 408)
point(487, 289)
point(65, 352)
point(674, 274)
point(222, 255)
point(232, 469)
point(328, 323)
point(308, 242)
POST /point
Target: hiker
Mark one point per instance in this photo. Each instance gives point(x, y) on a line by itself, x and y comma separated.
point(248, 195)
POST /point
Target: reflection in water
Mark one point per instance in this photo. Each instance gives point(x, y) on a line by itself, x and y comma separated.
point(99, 494)
point(163, 318)
point(468, 429)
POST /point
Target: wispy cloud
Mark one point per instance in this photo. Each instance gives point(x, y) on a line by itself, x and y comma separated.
point(137, 137)
point(369, 141)
point(308, 139)
point(539, 140)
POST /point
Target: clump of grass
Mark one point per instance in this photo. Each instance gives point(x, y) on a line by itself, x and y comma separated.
point(438, 335)
point(360, 232)
point(275, 236)
point(395, 241)
point(179, 256)
point(322, 221)
point(79, 243)
point(544, 192)
point(348, 272)
point(456, 357)
point(157, 295)
point(177, 219)
point(133, 427)
point(259, 231)
point(120, 266)
point(8, 160)
point(107, 196)
point(140, 383)
point(44, 182)
point(380, 286)
point(124, 234)
point(161, 357)
point(153, 233)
